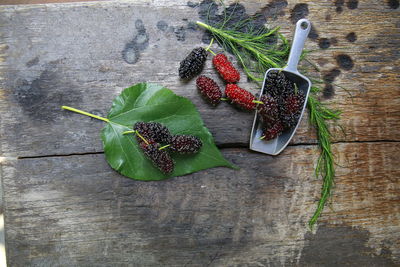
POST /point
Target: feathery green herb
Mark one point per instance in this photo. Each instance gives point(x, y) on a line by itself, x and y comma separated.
point(256, 51)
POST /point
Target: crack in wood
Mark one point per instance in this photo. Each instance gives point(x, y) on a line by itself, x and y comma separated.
point(222, 146)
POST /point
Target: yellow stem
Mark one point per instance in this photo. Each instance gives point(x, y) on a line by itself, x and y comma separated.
point(144, 139)
point(164, 147)
point(127, 132)
point(85, 113)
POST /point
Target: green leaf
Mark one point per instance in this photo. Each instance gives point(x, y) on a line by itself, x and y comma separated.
point(152, 102)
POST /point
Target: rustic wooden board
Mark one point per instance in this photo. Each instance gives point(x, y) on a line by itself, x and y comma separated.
point(83, 213)
point(73, 54)
point(65, 206)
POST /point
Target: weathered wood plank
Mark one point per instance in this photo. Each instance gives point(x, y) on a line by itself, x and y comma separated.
point(77, 211)
point(78, 54)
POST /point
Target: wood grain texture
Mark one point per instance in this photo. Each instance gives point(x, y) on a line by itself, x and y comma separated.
point(72, 54)
point(66, 209)
point(83, 213)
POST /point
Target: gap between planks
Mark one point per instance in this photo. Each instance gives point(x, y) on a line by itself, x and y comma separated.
point(224, 146)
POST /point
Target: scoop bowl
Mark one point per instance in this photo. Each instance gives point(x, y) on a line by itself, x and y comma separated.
point(278, 144)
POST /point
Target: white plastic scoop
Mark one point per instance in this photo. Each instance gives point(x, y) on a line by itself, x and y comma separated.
point(275, 146)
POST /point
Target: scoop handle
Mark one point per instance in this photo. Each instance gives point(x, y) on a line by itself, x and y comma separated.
point(303, 27)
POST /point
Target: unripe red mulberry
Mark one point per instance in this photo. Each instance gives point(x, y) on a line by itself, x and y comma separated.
point(240, 96)
point(226, 69)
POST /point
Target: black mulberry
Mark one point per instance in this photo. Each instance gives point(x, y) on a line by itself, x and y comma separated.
point(290, 110)
point(268, 111)
point(160, 158)
point(272, 131)
point(193, 63)
point(153, 131)
point(185, 144)
point(278, 85)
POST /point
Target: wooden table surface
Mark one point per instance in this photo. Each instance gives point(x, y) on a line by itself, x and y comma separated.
point(64, 206)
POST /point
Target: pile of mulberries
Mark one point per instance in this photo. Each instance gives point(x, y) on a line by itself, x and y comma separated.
point(279, 108)
point(152, 135)
point(282, 105)
point(208, 88)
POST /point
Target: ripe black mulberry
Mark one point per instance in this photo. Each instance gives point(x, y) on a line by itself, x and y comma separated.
point(185, 144)
point(153, 131)
point(278, 85)
point(160, 158)
point(290, 110)
point(193, 63)
point(272, 131)
point(268, 111)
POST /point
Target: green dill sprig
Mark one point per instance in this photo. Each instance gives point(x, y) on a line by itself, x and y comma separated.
point(252, 51)
point(319, 115)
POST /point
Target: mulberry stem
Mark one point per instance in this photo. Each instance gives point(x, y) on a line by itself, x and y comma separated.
point(85, 113)
point(163, 147)
point(128, 132)
point(144, 139)
point(138, 134)
point(209, 46)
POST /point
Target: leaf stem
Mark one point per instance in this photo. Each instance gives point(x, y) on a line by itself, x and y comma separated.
point(257, 102)
point(84, 113)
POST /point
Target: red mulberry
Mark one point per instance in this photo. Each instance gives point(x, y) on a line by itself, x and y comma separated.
point(226, 69)
point(240, 96)
point(209, 89)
